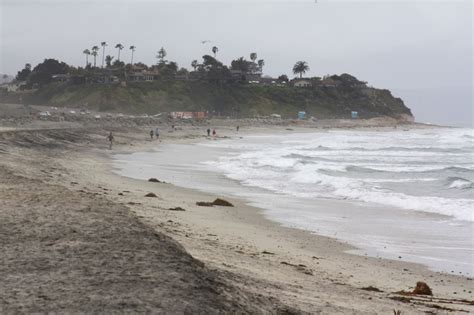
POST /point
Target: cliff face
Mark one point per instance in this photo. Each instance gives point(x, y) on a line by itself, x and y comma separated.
point(235, 100)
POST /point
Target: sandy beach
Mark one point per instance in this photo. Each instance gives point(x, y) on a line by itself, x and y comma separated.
point(236, 157)
point(105, 247)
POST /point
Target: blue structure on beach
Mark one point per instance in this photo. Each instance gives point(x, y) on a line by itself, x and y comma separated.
point(301, 115)
point(354, 115)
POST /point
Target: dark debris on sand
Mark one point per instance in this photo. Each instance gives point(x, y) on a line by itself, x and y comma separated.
point(154, 180)
point(152, 195)
point(217, 202)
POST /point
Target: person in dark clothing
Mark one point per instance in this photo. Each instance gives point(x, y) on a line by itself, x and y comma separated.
point(151, 134)
point(110, 137)
point(208, 132)
point(237, 128)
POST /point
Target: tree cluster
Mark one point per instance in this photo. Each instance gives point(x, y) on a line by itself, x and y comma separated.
point(43, 73)
point(210, 68)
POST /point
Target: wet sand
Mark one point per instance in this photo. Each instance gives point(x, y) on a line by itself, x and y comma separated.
point(376, 230)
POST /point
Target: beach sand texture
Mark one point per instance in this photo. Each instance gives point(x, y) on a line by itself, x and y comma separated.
point(79, 238)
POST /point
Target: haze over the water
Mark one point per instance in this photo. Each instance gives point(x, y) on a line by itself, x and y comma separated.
point(421, 50)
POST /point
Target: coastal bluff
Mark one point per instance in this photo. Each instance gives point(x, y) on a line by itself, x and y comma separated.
point(318, 98)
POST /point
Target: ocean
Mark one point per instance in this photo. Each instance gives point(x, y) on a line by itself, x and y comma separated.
point(425, 170)
point(400, 194)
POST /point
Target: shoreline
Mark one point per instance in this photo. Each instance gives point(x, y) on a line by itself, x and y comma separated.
point(182, 165)
point(244, 216)
point(298, 268)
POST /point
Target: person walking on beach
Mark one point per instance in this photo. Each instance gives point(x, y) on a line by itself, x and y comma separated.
point(237, 128)
point(214, 133)
point(208, 132)
point(111, 140)
point(151, 134)
point(157, 133)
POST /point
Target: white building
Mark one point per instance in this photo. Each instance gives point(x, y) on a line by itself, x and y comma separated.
point(302, 83)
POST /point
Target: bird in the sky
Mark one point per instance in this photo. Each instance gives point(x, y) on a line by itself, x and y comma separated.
point(205, 41)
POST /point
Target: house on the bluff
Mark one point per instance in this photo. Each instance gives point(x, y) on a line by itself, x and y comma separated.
point(137, 74)
point(301, 83)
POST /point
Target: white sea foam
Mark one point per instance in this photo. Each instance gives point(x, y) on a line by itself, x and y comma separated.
point(460, 183)
point(345, 184)
point(424, 170)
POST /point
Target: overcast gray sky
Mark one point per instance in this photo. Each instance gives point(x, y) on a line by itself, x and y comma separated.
point(421, 50)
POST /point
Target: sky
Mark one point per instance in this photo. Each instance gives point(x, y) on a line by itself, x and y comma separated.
point(420, 50)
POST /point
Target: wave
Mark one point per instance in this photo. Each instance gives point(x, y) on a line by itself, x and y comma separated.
point(459, 183)
point(410, 169)
point(381, 149)
point(361, 169)
point(423, 149)
point(305, 182)
point(458, 208)
point(457, 169)
point(318, 148)
point(306, 159)
point(309, 182)
point(417, 171)
point(304, 185)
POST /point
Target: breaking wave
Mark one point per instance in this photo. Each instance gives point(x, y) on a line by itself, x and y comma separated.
point(423, 170)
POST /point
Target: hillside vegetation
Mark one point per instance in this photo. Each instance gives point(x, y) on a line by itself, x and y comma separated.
point(236, 100)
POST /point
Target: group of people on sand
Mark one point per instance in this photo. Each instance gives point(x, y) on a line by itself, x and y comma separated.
point(155, 133)
point(214, 133)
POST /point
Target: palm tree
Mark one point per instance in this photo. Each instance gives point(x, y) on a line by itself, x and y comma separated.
point(253, 56)
point(132, 48)
point(215, 50)
point(119, 47)
point(194, 64)
point(300, 67)
point(95, 53)
point(103, 44)
point(87, 52)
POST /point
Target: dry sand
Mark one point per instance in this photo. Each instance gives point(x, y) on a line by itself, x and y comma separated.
point(79, 238)
point(69, 248)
